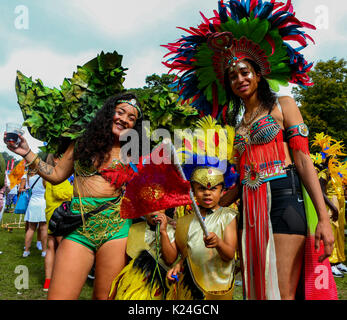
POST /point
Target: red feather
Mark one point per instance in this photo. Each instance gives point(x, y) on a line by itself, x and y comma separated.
point(156, 187)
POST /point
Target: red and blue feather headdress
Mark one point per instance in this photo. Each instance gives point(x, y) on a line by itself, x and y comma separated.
point(253, 29)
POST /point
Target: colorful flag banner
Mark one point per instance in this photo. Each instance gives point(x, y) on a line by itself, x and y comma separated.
point(16, 174)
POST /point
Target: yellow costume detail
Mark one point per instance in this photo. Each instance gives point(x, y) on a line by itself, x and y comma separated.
point(335, 174)
point(141, 237)
point(55, 195)
point(209, 177)
point(133, 283)
point(338, 199)
point(202, 140)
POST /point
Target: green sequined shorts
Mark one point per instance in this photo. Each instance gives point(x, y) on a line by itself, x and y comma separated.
point(101, 227)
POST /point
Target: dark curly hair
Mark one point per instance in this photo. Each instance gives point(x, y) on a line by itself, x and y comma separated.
point(97, 141)
point(266, 96)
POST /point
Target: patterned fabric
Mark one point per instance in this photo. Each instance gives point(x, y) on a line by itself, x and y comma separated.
point(261, 158)
point(298, 130)
point(297, 136)
point(102, 226)
point(156, 187)
point(262, 131)
point(117, 173)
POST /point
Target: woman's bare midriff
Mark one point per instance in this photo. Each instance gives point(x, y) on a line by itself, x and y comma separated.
point(95, 187)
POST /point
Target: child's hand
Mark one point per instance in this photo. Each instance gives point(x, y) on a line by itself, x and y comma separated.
point(211, 241)
point(174, 272)
point(162, 220)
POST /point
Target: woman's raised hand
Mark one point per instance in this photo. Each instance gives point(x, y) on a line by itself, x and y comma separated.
point(22, 149)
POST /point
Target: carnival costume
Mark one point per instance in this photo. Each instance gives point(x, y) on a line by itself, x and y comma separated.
point(334, 173)
point(107, 224)
point(144, 277)
point(59, 117)
point(205, 274)
point(256, 30)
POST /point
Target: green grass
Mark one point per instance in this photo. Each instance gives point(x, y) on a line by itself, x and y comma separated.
point(12, 244)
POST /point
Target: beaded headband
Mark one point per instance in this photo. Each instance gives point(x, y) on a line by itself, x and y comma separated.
point(133, 103)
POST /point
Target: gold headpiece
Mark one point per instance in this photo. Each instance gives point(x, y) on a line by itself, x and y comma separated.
point(208, 177)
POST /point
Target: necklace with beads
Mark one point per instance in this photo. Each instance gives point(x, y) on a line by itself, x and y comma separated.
point(244, 125)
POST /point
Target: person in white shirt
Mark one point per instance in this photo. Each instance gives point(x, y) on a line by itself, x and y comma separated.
point(35, 213)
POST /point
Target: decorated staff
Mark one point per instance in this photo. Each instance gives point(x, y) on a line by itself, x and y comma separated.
point(191, 195)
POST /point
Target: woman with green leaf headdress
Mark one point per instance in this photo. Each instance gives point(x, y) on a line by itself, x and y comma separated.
point(99, 177)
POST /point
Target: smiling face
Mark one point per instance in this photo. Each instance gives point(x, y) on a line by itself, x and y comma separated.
point(243, 79)
point(124, 118)
point(207, 197)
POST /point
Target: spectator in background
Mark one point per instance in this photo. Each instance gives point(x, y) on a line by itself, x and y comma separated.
point(35, 214)
point(3, 190)
point(54, 195)
point(11, 197)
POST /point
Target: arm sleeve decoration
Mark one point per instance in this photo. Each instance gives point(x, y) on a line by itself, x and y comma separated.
point(297, 137)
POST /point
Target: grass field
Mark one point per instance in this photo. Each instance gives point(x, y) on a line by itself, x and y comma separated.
point(12, 245)
point(13, 268)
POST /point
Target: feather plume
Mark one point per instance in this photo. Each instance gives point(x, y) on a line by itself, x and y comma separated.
point(268, 24)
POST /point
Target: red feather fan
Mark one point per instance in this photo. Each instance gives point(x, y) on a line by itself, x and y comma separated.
point(155, 187)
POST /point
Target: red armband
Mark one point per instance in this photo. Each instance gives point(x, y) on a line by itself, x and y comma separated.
point(297, 137)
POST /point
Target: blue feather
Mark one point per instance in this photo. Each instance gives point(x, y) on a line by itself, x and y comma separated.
point(222, 10)
point(195, 161)
point(248, 7)
point(265, 11)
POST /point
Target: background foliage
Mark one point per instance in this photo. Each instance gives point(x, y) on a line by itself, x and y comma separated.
point(324, 106)
point(160, 105)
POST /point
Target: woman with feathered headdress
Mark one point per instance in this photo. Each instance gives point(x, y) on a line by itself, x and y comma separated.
point(231, 63)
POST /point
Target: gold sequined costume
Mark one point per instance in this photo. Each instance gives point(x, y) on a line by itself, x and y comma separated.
point(213, 276)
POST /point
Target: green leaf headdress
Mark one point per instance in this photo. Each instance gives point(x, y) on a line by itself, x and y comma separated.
point(57, 115)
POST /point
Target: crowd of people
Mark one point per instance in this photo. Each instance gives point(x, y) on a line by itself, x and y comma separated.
point(260, 219)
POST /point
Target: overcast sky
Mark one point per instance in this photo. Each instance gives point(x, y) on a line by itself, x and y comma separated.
point(47, 39)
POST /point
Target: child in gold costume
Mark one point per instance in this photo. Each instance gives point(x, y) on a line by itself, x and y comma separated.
point(209, 261)
point(206, 267)
point(144, 277)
